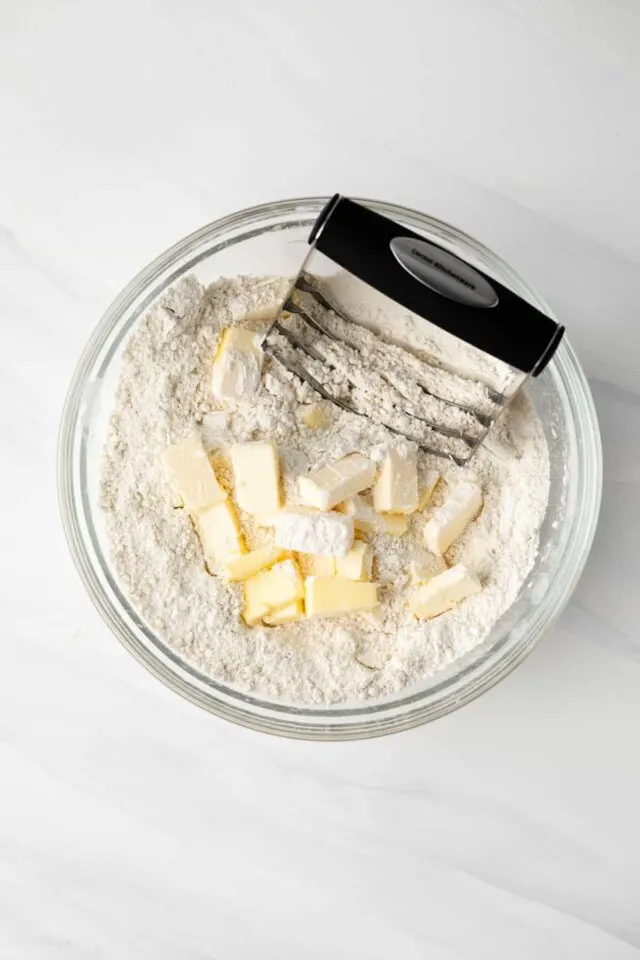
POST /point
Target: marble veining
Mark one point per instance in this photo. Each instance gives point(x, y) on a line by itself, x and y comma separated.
point(133, 825)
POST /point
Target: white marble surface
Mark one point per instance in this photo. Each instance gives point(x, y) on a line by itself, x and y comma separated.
point(134, 826)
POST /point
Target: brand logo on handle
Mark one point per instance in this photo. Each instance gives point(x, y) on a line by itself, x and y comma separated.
point(443, 272)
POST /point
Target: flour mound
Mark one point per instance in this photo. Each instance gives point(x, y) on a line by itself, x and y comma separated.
point(164, 392)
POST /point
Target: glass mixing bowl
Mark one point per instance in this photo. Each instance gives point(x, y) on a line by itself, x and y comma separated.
point(272, 239)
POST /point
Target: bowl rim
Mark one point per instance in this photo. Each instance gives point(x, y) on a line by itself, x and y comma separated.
point(338, 722)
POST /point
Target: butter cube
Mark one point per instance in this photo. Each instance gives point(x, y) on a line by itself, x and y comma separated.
point(219, 533)
point(274, 588)
point(451, 519)
point(337, 481)
point(315, 565)
point(328, 534)
point(395, 524)
point(241, 568)
point(357, 564)
point(256, 477)
point(419, 572)
point(443, 592)
point(237, 365)
point(365, 519)
point(294, 611)
point(192, 475)
point(253, 613)
point(396, 490)
point(314, 416)
point(332, 596)
point(423, 566)
point(427, 485)
point(260, 314)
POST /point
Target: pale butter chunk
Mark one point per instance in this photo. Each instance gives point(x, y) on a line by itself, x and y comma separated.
point(396, 490)
point(443, 592)
point(261, 313)
point(294, 611)
point(241, 568)
point(357, 564)
point(426, 487)
point(314, 416)
point(253, 612)
point(272, 590)
point(365, 519)
point(314, 565)
point(330, 485)
point(192, 474)
point(237, 365)
point(256, 476)
point(219, 533)
point(424, 565)
point(451, 519)
point(328, 534)
point(395, 524)
point(332, 596)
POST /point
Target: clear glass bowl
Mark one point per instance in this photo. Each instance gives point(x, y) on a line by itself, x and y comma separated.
point(272, 239)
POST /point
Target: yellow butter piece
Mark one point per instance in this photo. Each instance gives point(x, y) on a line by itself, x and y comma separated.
point(396, 490)
point(419, 572)
point(365, 519)
point(235, 375)
point(357, 564)
point(251, 563)
point(219, 533)
point(253, 613)
point(332, 596)
point(260, 314)
point(337, 481)
point(423, 566)
point(427, 485)
point(192, 475)
point(313, 531)
point(294, 611)
point(275, 588)
point(395, 524)
point(316, 565)
point(314, 416)
point(256, 476)
point(443, 591)
point(450, 520)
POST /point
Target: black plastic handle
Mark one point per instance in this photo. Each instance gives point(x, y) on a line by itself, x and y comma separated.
point(436, 284)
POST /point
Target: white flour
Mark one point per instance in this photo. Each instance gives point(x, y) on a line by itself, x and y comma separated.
point(164, 390)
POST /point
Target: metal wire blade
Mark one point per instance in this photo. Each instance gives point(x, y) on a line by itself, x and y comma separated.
point(310, 345)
